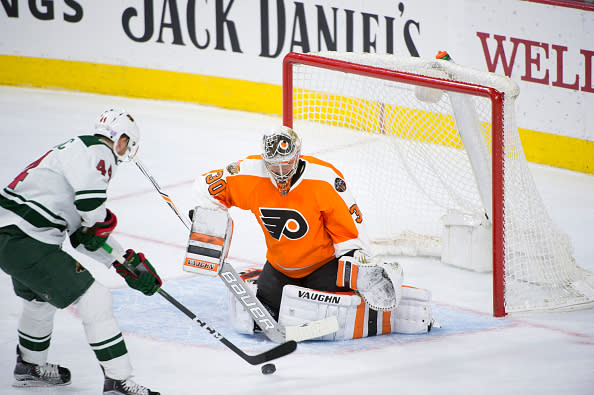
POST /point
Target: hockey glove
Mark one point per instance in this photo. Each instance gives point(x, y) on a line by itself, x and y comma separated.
point(378, 283)
point(143, 277)
point(95, 236)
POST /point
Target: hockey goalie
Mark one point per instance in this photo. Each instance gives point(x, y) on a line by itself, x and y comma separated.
point(317, 260)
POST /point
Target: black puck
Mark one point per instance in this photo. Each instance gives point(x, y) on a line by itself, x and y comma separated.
point(269, 368)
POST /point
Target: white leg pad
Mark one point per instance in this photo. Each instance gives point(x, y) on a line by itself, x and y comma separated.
point(413, 315)
point(95, 310)
point(241, 320)
point(355, 319)
point(36, 325)
point(302, 305)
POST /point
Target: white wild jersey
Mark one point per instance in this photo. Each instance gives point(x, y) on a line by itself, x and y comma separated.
point(61, 191)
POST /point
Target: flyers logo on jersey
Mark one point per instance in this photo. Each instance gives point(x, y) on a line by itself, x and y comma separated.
point(279, 222)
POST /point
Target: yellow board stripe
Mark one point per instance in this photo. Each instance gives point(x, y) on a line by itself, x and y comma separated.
point(560, 151)
point(140, 82)
point(539, 147)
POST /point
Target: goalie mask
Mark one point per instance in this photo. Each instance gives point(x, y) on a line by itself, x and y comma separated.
point(280, 151)
point(113, 124)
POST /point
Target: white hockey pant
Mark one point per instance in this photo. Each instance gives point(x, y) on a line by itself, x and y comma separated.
point(95, 308)
point(355, 319)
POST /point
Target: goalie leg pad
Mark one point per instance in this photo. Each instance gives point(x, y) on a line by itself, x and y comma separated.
point(209, 241)
point(379, 284)
point(413, 315)
point(355, 319)
point(302, 305)
point(241, 320)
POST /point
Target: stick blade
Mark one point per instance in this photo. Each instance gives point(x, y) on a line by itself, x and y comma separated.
point(279, 351)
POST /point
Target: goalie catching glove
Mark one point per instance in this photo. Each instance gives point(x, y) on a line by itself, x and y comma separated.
point(143, 277)
point(95, 236)
point(378, 283)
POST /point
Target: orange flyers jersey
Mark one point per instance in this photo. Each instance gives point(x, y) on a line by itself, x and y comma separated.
point(317, 220)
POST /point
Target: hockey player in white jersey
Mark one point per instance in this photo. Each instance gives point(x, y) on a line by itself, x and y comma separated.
point(63, 194)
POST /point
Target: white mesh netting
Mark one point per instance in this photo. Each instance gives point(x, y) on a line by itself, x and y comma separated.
point(401, 152)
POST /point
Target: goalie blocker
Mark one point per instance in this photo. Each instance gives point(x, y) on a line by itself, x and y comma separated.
point(209, 241)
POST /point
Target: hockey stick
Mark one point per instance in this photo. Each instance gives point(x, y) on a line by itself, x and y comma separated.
point(271, 328)
point(279, 351)
point(162, 193)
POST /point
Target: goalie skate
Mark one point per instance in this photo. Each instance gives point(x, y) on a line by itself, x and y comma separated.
point(31, 375)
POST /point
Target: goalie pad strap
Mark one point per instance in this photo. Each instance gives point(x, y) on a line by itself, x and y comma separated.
point(379, 323)
point(372, 323)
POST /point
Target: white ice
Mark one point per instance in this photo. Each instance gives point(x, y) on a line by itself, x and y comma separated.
point(474, 353)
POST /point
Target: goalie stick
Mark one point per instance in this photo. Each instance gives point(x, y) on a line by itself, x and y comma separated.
point(279, 351)
point(271, 328)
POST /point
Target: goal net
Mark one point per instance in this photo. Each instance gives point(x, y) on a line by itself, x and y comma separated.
point(424, 144)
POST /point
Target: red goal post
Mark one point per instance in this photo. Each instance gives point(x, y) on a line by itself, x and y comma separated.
point(345, 66)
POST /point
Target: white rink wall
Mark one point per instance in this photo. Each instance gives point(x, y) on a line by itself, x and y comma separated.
point(547, 49)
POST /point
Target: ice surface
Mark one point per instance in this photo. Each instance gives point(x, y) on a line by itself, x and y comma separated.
point(473, 353)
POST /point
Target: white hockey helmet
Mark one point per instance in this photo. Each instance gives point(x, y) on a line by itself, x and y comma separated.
point(280, 151)
point(113, 124)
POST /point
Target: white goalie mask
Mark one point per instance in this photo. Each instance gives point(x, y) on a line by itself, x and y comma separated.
point(115, 123)
point(280, 151)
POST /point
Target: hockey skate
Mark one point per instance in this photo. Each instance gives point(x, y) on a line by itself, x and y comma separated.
point(127, 387)
point(31, 375)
